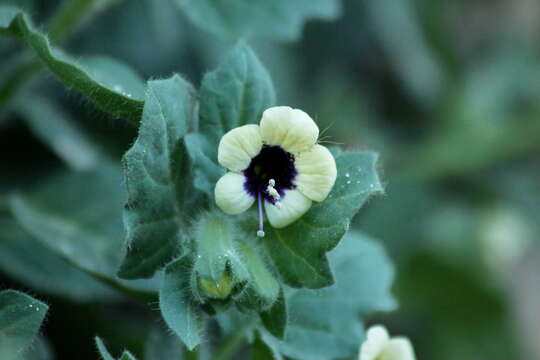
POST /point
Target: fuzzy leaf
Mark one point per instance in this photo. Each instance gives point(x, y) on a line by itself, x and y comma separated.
point(299, 250)
point(177, 306)
point(26, 260)
point(325, 324)
point(235, 94)
point(65, 216)
point(206, 170)
point(54, 127)
point(112, 86)
point(20, 319)
point(279, 19)
point(156, 178)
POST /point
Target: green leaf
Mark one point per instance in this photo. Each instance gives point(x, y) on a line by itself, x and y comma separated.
point(203, 154)
point(235, 94)
point(65, 213)
point(105, 355)
point(40, 350)
point(299, 250)
point(156, 174)
point(325, 324)
point(20, 319)
point(112, 86)
point(279, 19)
point(177, 305)
point(51, 125)
point(484, 122)
point(26, 260)
point(411, 57)
point(65, 216)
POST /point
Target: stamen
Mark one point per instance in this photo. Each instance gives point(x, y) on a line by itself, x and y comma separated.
point(260, 233)
point(271, 191)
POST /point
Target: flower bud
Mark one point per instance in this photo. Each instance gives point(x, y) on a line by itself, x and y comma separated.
point(217, 289)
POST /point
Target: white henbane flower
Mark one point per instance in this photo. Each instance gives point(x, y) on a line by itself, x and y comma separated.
point(278, 163)
point(379, 346)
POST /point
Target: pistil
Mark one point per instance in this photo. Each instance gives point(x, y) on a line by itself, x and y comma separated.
point(260, 233)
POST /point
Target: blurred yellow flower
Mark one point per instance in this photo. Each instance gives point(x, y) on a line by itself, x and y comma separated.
point(379, 346)
point(278, 163)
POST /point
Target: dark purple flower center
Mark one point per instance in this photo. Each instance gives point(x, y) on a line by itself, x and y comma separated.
point(271, 163)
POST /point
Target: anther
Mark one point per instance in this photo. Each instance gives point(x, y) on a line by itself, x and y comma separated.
point(272, 191)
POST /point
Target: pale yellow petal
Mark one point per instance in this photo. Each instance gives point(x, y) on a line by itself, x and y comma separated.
point(376, 340)
point(239, 146)
point(397, 349)
point(292, 129)
point(293, 206)
point(316, 172)
point(230, 195)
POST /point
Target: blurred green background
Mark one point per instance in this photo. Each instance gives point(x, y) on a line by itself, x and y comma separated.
point(447, 92)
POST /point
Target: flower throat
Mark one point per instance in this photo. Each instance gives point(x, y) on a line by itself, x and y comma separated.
point(268, 175)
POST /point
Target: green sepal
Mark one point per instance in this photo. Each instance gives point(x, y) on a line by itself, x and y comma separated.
point(275, 318)
point(215, 237)
point(262, 288)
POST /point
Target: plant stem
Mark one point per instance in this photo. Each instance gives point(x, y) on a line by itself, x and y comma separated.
point(230, 344)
